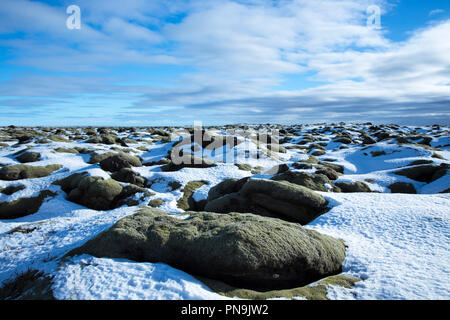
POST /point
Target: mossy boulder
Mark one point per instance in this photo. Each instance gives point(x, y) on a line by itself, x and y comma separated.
point(402, 187)
point(280, 168)
point(424, 173)
point(368, 140)
point(187, 201)
point(12, 189)
point(129, 176)
point(21, 171)
point(23, 206)
point(338, 168)
point(344, 140)
point(311, 181)
point(30, 285)
point(226, 187)
point(57, 138)
point(155, 203)
point(311, 159)
point(97, 157)
point(418, 162)
point(318, 153)
point(378, 153)
point(330, 173)
point(117, 162)
point(316, 291)
point(92, 192)
point(127, 194)
point(66, 150)
point(187, 161)
point(243, 250)
point(103, 139)
point(351, 187)
point(28, 156)
point(279, 199)
point(243, 166)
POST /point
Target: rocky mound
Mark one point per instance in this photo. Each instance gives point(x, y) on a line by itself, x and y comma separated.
point(97, 193)
point(129, 176)
point(280, 199)
point(117, 162)
point(356, 186)
point(402, 187)
point(244, 250)
point(9, 190)
point(21, 171)
point(24, 206)
point(187, 161)
point(28, 156)
point(311, 181)
point(187, 201)
point(424, 173)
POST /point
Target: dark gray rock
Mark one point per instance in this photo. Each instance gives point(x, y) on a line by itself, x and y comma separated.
point(402, 187)
point(280, 199)
point(22, 171)
point(356, 186)
point(117, 162)
point(243, 250)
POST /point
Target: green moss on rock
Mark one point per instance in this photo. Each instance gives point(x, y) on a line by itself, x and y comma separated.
point(187, 202)
point(23, 206)
point(317, 291)
point(243, 250)
point(21, 171)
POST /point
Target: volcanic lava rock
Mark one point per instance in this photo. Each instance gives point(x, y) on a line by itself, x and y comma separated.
point(117, 162)
point(402, 187)
point(187, 161)
point(424, 173)
point(23, 206)
point(92, 192)
point(244, 250)
point(280, 199)
point(129, 176)
point(356, 186)
point(28, 156)
point(314, 181)
point(21, 171)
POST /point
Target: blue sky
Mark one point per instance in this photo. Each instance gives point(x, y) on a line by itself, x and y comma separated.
point(174, 62)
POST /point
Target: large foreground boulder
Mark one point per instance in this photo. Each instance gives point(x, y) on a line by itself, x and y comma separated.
point(279, 199)
point(244, 250)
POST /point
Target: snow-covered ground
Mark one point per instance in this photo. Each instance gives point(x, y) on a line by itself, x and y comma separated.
point(398, 244)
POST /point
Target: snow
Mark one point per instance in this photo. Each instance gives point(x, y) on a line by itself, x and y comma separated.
point(89, 278)
point(398, 244)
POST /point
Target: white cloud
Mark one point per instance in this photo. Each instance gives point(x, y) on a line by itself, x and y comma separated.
point(236, 51)
point(436, 11)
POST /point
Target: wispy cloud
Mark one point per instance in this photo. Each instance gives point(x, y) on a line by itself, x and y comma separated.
point(232, 57)
point(436, 11)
